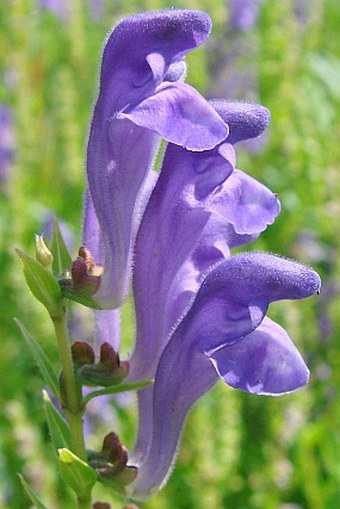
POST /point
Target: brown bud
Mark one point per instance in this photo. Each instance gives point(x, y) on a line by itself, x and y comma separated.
point(109, 356)
point(101, 505)
point(82, 279)
point(82, 353)
point(114, 452)
point(111, 443)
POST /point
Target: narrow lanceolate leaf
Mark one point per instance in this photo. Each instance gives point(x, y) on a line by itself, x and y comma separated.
point(42, 284)
point(61, 257)
point(42, 361)
point(32, 496)
point(113, 389)
point(76, 473)
point(58, 428)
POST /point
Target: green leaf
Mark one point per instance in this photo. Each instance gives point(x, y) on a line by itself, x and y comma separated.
point(133, 386)
point(62, 259)
point(42, 284)
point(76, 473)
point(32, 496)
point(58, 428)
point(79, 297)
point(41, 359)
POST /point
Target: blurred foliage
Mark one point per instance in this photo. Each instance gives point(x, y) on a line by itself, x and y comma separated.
point(238, 450)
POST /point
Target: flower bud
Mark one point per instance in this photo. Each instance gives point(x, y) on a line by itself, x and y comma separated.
point(42, 254)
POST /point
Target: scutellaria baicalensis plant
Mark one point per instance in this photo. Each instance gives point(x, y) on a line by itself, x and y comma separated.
point(201, 311)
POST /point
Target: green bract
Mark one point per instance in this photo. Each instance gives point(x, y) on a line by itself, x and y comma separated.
point(76, 473)
point(42, 284)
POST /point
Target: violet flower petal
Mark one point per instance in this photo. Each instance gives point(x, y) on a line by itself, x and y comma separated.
point(211, 248)
point(7, 144)
point(247, 204)
point(243, 14)
point(236, 295)
point(107, 322)
point(214, 245)
point(166, 35)
point(230, 304)
point(245, 119)
point(177, 205)
point(265, 362)
point(167, 276)
point(192, 187)
point(92, 237)
point(173, 111)
point(186, 198)
point(107, 328)
point(136, 59)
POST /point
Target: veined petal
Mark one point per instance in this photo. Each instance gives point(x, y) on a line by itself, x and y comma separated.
point(265, 362)
point(178, 113)
point(229, 306)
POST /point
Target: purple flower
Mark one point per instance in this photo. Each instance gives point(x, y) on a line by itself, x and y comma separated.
point(234, 69)
point(200, 311)
point(225, 335)
point(139, 100)
point(63, 9)
point(243, 14)
point(58, 7)
point(193, 187)
point(200, 208)
point(7, 143)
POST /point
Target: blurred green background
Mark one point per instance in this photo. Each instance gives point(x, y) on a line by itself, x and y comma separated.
point(239, 451)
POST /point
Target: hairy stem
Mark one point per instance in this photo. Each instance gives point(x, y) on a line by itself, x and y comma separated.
point(73, 404)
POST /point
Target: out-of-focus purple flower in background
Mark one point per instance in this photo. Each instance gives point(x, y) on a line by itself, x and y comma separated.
point(62, 8)
point(234, 68)
point(59, 7)
point(243, 14)
point(7, 144)
point(308, 248)
point(235, 52)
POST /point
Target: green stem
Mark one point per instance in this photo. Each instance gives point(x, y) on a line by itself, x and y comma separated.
point(73, 404)
point(75, 422)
